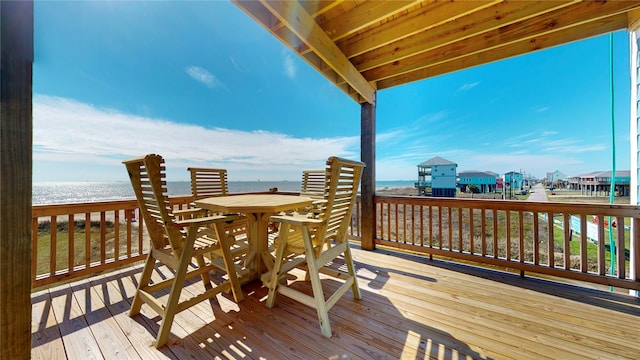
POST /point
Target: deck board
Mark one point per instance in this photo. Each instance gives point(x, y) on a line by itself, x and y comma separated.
point(412, 308)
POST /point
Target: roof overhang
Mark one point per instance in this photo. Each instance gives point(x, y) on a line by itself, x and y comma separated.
point(365, 46)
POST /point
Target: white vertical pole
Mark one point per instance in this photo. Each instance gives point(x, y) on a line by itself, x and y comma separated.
point(634, 136)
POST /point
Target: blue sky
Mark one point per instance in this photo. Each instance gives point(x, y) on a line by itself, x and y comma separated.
point(204, 85)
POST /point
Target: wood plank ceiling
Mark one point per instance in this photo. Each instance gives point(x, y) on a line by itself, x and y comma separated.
point(364, 46)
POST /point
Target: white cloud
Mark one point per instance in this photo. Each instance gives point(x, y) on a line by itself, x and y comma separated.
point(469, 86)
point(67, 131)
point(290, 68)
point(204, 76)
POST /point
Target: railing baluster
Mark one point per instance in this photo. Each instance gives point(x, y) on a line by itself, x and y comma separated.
point(116, 240)
point(404, 223)
point(566, 226)
point(449, 217)
point(34, 249)
point(141, 230)
point(421, 225)
point(507, 215)
point(620, 249)
point(129, 231)
point(536, 238)
point(430, 226)
point(483, 229)
point(584, 261)
point(87, 240)
point(71, 243)
point(460, 232)
point(471, 232)
point(602, 260)
point(495, 233)
point(440, 227)
point(103, 237)
point(550, 248)
point(53, 245)
point(635, 247)
point(413, 228)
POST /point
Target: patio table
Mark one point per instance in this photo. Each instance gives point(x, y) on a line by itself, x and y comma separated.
point(258, 208)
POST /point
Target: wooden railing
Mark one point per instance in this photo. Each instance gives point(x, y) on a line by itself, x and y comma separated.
point(518, 235)
point(75, 240)
point(509, 234)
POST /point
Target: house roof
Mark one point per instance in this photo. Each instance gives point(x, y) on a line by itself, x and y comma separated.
point(619, 173)
point(437, 161)
point(476, 173)
point(367, 45)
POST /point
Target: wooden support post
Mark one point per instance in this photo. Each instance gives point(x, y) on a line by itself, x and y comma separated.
point(16, 43)
point(368, 183)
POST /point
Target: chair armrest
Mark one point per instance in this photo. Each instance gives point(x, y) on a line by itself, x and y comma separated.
point(297, 220)
point(188, 212)
point(205, 220)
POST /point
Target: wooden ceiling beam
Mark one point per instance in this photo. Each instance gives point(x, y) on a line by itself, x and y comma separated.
point(361, 16)
point(578, 32)
point(634, 20)
point(315, 8)
point(531, 28)
point(264, 17)
point(430, 15)
point(298, 21)
point(476, 24)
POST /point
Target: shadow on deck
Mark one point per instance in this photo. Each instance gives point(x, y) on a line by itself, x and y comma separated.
point(412, 308)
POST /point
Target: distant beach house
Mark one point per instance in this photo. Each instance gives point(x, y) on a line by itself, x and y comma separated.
point(513, 180)
point(484, 180)
point(598, 183)
point(554, 177)
point(437, 177)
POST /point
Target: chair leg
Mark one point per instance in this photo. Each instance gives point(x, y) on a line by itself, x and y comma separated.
point(277, 266)
point(145, 278)
point(313, 273)
point(206, 280)
point(348, 259)
point(225, 248)
point(174, 296)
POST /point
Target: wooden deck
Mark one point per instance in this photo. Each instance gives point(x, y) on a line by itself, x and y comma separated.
point(412, 308)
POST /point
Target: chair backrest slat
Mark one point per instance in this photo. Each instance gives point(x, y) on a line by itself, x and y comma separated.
point(343, 180)
point(314, 182)
point(208, 182)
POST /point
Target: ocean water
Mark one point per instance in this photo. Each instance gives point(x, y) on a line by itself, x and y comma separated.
point(46, 193)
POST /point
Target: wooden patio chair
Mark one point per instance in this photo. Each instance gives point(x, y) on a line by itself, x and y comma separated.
point(175, 243)
point(313, 183)
point(208, 182)
point(302, 238)
point(211, 182)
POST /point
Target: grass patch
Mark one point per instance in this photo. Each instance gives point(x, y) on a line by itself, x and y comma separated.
point(87, 243)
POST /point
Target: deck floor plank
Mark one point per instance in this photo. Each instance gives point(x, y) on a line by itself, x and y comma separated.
point(79, 341)
point(114, 343)
point(137, 330)
point(46, 342)
point(412, 308)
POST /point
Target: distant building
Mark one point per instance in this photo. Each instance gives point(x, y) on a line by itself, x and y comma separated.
point(499, 184)
point(484, 180)
point(513, 181)
point(598, 183)
point(552, 178)
point(437, 177)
